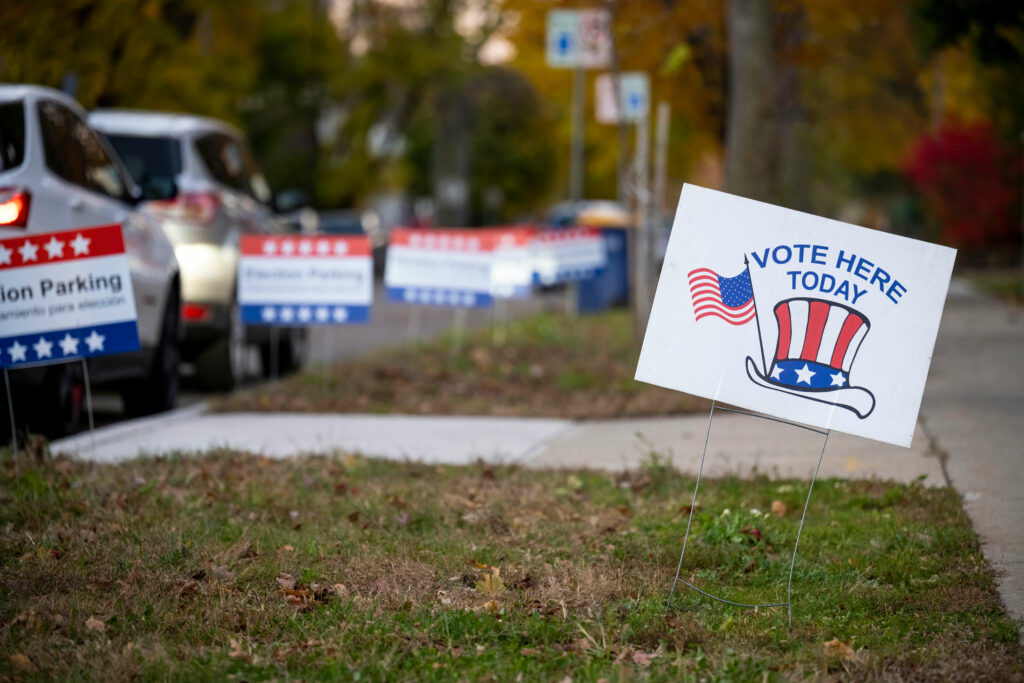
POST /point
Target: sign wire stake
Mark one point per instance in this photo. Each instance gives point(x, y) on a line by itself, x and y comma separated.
point(788, 604)
point(88, 406)
point(275, 362)
point(458, 331)
point(414, 325)
point(14, 432)
point(500, 335)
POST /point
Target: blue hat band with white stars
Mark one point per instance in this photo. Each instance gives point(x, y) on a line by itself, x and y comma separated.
point(804, 374)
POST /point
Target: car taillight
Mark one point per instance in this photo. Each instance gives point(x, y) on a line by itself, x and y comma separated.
point(195, 312)
point(193, 207)
point(14, 205)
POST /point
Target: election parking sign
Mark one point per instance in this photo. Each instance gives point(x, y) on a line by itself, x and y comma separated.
point(568, 255)
point(305, 280)
point(65, 295)
point(512, 270)
point(796, 316)
point(450, 267)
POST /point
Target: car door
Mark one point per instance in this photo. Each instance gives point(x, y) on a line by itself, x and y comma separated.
point(92, 186)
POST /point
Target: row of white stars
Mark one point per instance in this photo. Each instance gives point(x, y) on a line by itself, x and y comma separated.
point(304, 314)
point(805, 374)
point(29, 251)
point(452, 298)
point(44, 348)
point(305, 247)
point(445, 242)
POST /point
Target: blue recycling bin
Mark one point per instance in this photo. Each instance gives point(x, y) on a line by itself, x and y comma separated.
point(610, 286)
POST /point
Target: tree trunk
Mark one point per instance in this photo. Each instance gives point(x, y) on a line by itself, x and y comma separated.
point(750, 134)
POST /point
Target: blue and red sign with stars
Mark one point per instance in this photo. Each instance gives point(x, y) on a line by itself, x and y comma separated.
point(64, 296)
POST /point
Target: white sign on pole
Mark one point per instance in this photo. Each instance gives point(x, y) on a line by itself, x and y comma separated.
point(595, 38)
point(568, 255)
point(563, 46)
point(65, 295)
point(440, 267)
point(305, 280)
point(634, 97)
point(796, 316)
point(512, 272)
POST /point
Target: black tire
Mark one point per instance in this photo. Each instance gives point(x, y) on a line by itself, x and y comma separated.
point(220, 366)
point(158, 390)
point(291, 347)
point(59, 408)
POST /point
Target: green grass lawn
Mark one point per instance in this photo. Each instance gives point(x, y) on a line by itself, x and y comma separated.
point(1003, 284)
point(232, 566)
point(548, 365)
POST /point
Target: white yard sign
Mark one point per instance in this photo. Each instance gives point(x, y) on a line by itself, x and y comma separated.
point(65, 295)
point(305, 280)
point(796, 316)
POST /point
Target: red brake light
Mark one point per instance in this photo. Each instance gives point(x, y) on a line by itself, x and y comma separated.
point(193, 207)
point(14, 205)
point(195, 312)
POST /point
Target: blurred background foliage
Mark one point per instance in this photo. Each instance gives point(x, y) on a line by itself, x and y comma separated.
point(880, 112)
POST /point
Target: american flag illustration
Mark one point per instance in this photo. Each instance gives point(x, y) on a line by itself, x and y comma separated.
point(728, 298)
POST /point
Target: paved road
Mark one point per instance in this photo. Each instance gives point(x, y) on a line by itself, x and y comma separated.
point(973, 409)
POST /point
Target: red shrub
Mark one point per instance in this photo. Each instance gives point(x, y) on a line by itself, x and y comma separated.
point(971, 184)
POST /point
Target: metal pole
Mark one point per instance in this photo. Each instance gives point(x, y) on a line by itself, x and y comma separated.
point(275, 362)
point(14, 433)
point(578, 120)
point(1022, 219)
point(792, 563)
point(660, 170)
point(88, 406)
point(693, 504)
point(458, 331)
point(642, 260)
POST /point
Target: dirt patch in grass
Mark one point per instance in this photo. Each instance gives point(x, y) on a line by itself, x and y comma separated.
point(233, 565)
point(546, 366)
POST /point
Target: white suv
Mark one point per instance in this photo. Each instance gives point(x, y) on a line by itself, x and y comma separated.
point(220, 195)
point(56, 173)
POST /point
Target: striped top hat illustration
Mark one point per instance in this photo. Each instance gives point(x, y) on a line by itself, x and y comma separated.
point(817, 344)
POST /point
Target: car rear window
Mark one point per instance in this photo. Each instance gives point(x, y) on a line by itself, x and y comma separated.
point(148, 158)
point(12, 134)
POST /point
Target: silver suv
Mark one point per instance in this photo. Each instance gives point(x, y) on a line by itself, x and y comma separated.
point(61, 175)
point(219, 195)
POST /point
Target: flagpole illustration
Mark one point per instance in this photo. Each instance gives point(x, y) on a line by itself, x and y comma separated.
point(757, 319)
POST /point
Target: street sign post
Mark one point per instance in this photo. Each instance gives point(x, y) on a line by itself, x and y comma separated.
point(633, 102)
point(579, 40)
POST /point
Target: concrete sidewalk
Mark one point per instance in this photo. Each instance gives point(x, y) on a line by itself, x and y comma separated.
point(738, 444)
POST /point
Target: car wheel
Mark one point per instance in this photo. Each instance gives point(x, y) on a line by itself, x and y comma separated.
point(60, 406)
point(291, 352)
point(221, 366)
point(158, 390)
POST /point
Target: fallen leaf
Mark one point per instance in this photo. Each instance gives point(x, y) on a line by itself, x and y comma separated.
point(94, 624)
point(779, 508)
point(643, 658)
point(491, 584)
point(340, 590)
point(529, 652)
point(286, 581)
point(838, 649)
point(353, 516)
point(235, 650)
point(284, 550)
point(22, 663)
point(403, 518)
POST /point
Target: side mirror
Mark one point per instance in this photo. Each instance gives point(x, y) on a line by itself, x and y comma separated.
point(159, 188)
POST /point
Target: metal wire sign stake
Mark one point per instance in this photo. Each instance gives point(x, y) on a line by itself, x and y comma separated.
point(788, 604)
